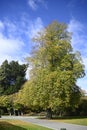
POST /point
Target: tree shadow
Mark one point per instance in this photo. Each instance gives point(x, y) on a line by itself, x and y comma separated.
point(8, 126)
point(69, 117)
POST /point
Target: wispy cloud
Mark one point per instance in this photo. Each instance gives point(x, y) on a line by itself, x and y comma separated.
point(79, 38)
point(15, 38)
point(1, 26)
point(10, 47)
point(34, 4)
point(79, 43)
point(35, 27)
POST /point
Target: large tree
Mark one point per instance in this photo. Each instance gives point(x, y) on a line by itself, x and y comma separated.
point(12, 77)
point(55, 69)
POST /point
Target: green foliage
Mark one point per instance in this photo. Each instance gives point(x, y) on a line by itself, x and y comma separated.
point(55, 70)
point(11, 103)
point(12, 77)
point(5, 101)
point(82, 109)
point(63, 129)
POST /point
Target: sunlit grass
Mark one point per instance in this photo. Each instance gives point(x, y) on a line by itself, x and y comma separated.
point(78, 121)
point(19, 125)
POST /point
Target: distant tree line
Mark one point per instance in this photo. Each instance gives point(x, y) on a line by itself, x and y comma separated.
point(12, 77)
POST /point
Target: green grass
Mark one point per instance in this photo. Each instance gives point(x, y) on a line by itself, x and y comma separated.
point(19, 125)
point(78, 121)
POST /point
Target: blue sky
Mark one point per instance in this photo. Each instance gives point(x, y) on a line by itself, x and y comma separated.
point(20, 20)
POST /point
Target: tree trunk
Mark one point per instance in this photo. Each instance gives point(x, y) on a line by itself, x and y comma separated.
point(49, 113)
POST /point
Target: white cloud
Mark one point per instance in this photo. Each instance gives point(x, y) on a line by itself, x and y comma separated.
point(10, 47)
point(35, 27)
point(85, 62)
point(34, 4)
point(79, 38)
point(79, 43)
point(15, 38)
point(75, 26)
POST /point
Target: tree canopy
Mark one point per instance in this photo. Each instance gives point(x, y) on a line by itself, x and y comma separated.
point(12, 77)
point(56, 68)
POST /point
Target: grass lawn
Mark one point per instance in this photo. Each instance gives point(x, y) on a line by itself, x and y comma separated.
point(78, 121)
point(19, 125)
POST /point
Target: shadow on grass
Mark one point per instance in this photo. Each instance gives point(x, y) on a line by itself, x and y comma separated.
point(63, 117)
point(8, 126)
point(70, 117)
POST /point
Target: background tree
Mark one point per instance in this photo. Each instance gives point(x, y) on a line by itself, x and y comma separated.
point(12, 76)
point(55, 69)
point(4, 76)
